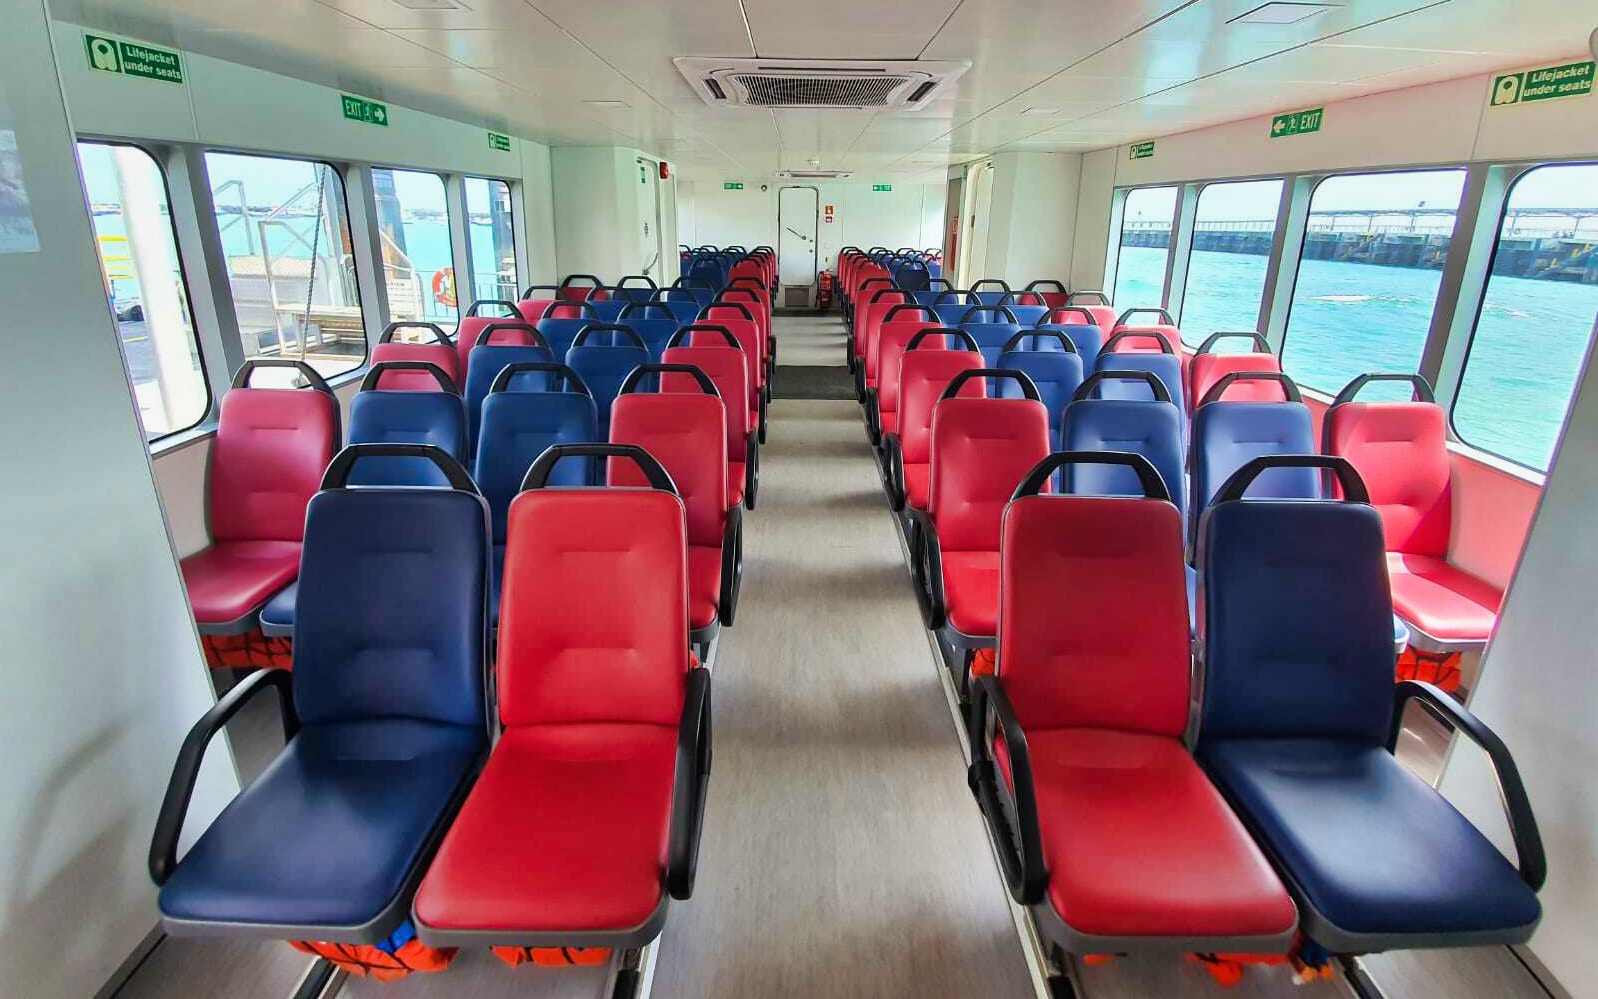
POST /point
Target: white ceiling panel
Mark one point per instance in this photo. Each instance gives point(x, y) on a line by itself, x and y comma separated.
point(844, 29)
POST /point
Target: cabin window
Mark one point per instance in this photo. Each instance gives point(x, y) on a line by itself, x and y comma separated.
point(1537, 317)
point(1368, 276)
point(1232, 235)
point(492, 239)
point(1145, 247)
point(144, 283)
point(286, 235)
point(413, 225)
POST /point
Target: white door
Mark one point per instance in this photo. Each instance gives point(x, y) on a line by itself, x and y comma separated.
point(797, 211)
point(649, 247)
point(978, 203)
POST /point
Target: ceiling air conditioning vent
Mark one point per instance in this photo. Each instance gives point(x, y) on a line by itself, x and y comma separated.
point(849, 85)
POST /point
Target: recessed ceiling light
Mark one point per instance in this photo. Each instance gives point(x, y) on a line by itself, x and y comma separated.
point(1282, 13)
point(1039, 112)
point(608, 105)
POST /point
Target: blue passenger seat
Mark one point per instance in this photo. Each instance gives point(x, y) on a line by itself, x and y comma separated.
point(1057, 373)
point(488, 360)
point(991, 326)
point(605, 366)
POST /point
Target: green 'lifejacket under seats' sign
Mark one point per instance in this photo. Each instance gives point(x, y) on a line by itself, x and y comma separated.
point(362, 110)
point(731, 185)
point(499, 142)
point(146, 62)
point(1570, 80)
point(1140, 150)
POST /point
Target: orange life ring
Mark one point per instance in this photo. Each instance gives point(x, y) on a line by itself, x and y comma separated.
point(444, 287)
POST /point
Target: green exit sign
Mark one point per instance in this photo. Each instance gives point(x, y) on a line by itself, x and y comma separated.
point(1573, 79)
point(1140, 150)
point(499, 142)
point(146, 62)
point(1297, 123)
point(732, 185)
point(364, 111)
point(882, 187)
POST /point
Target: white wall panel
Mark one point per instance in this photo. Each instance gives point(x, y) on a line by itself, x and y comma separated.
point(1032, 226)
point(1093, 219)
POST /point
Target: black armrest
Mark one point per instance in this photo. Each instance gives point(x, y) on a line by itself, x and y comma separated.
point(180, 789)
point(1533, 863)
point(751, 468)
point(1024, 871)
point(893, 461)
point(926, 568)
point(873, 417)
point(732, 564)
point(692, 782)
point(765, 401)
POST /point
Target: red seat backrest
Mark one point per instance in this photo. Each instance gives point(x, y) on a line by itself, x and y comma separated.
point(1078, 576)
point(904, 325)
point(759, 309)
point(1204, 370)
point(1104, 317)
point(532, 309)
point(923, 375)
point(981, 450)
point(594, 609)
point(687, 434)
point(748, 267)
point(415, 381)
point(725, 367)
point(1144, 342)
point(745, 330)
point(271, 448)
point(878, 301)
point(1400, 449)
point(890, 356)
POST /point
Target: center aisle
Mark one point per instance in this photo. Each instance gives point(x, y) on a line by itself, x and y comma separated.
point(842, 853)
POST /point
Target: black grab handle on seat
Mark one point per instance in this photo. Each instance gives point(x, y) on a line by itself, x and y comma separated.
point(1109, 345)
point(241, 377)
point(471, 310)
point(1354, 490)
point(1289, 388)
point(997, 309)
point(953, 295)
point(1072, 310)
point(583, 307)
point(375, 374)
point(338, 471)
point(1423, 388)
point(387, 336)
point(741, 307)
point(1005, 285)
point(637, 374)
point(582, 334)
point(1014, 343)
point(683, 332)
point(539, 340)
point(645, 278)
point(910, 307)
point(567, 282)
point(1166, 316)
point(509, 371)
point(1029, 388)
point(644, 307)
point(528, 294)
point(1260, 346)
point(1092, 382)
point(1103, 299)
point(967, 341)
point(1014, 298)
point(876, 296)
point(1058, 286)
point(538, 474)
point(1148, 476)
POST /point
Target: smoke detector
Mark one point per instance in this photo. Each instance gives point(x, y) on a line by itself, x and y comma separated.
point(842, 84)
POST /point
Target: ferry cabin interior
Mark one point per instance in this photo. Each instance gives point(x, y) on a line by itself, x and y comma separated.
point(744, 498)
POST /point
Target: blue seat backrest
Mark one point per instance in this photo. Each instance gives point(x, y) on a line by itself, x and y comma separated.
point(1056, 373)
point(1152, 429)
point(436, 418)
point(487, 362)
point(391, 617)
point(1228, 435)
point(1088, 340)
point(560, 332)
point(684, 305)
point(517, 428)
point(604, 369)
point(1166, 367)
point(655, 332)
point(709, 271)
point(609, 309)
point(1028, 315)
point(950, 313)
point(991, 338)
point(1297, 621)
point(990, 297)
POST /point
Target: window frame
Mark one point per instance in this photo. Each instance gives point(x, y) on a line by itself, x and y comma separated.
point(1303, 240)
point(1519, 172)
point(1200, 188)
point(339, 170)
point(515, 242)
point(207, 414)
point(445, 178)
point(1118, 216)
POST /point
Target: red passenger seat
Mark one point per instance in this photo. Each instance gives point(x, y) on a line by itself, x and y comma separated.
point(725, 365)
point(924, 372)
point(1206, 369)
point(588, 811)
point(440, 352)
point(687, 434)
point(1124, 844)
point(981, 450)
point(882, 402)
point(271, 448)
point(1400, 449)
point(1098, 306)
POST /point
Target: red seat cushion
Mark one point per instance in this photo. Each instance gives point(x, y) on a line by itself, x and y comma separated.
point(232, 578)
point(917, 483)
point(567, 828)
point(971, 592)
point(889, 419)
point(1138, 842)
point(704, 584)
point(1441, 599)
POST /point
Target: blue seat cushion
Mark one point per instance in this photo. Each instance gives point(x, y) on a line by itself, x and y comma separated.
point(277, 617)
point(1374, 848)
point(330, 833)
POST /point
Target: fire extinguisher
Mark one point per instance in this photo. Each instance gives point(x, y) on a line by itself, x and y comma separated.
point(824, 292)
